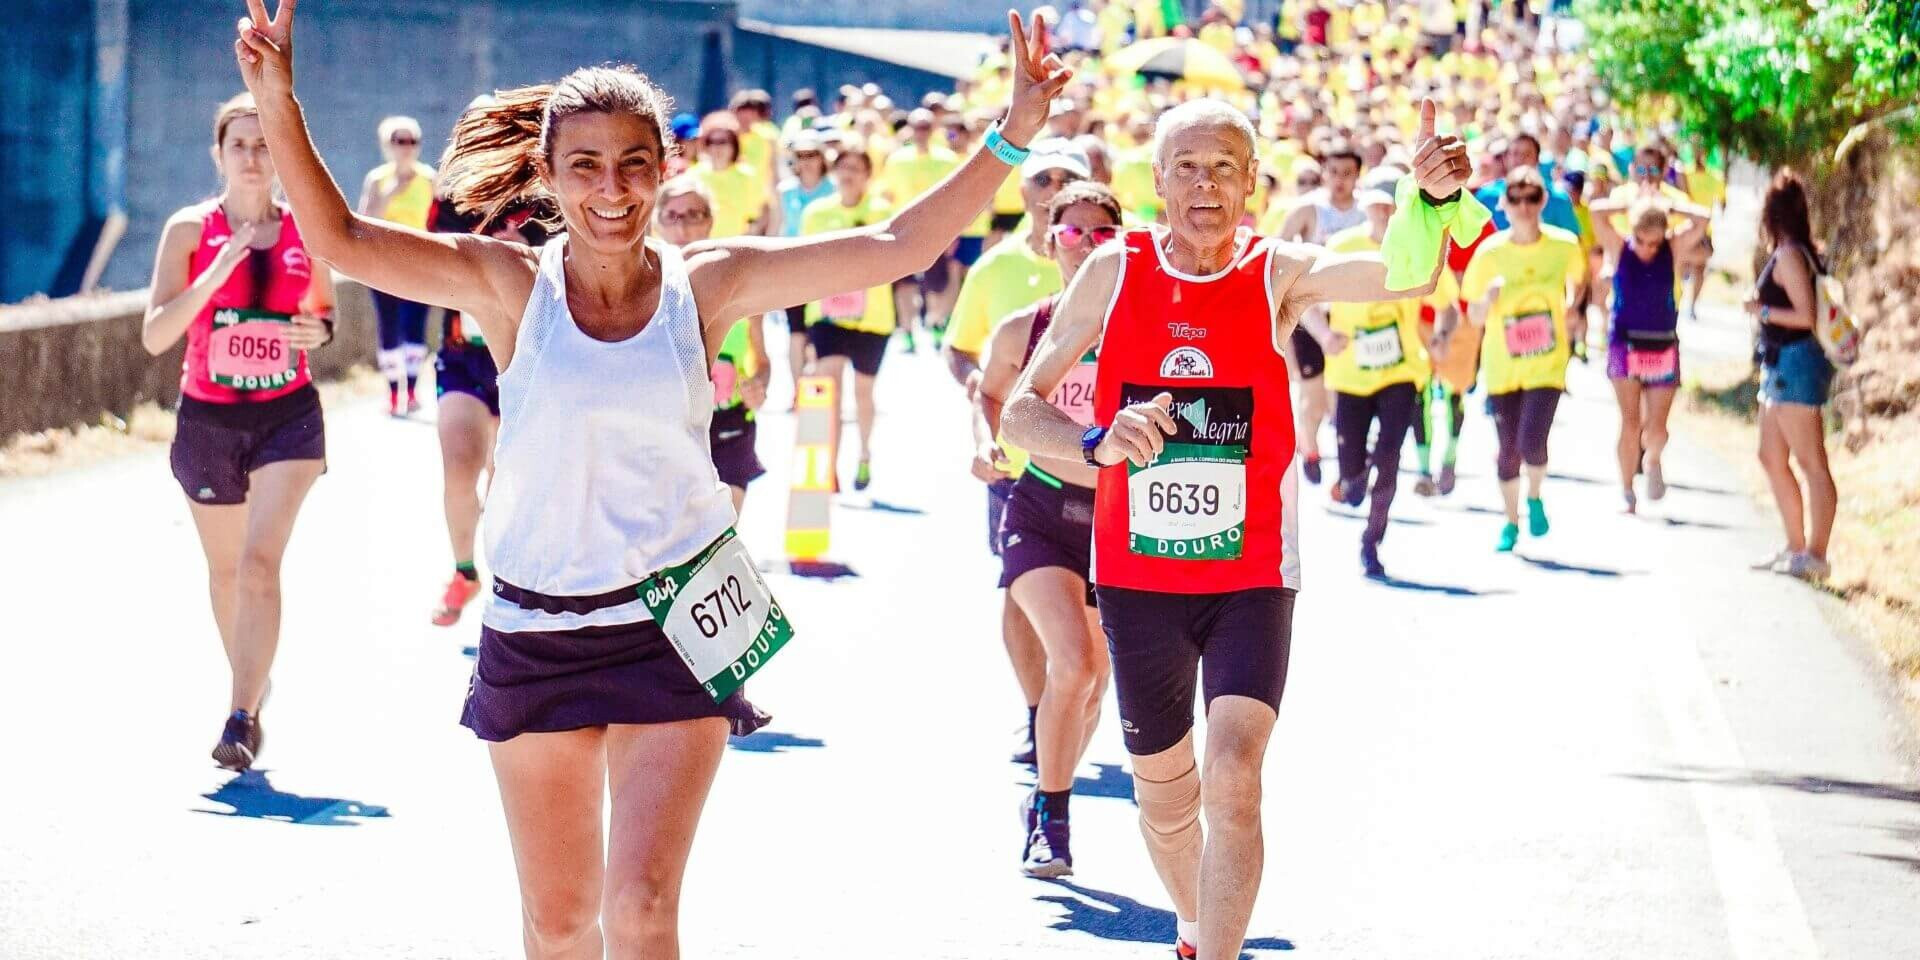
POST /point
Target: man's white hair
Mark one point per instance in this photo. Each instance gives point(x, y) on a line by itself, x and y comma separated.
point(1199, 113)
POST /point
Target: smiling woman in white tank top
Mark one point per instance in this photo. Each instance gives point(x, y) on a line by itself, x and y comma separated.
point(605, 503)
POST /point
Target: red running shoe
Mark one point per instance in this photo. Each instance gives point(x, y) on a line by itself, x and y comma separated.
point(460, 590)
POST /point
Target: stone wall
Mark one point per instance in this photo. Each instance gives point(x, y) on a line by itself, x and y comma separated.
point(1868, 217)
point(64, 362)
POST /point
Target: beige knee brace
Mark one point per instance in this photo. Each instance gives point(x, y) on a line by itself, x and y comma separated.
point(1169, 811)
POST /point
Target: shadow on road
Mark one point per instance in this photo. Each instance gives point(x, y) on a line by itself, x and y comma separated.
point(1576, 478)
point(1111, 916)
point(1445, 589)
point(1555, 566)
point(252, 796)
point(881, 506)
point(820, 569)
point(1695, 524)
point(1110, 782)
point(774, 741)
point(1798, 782)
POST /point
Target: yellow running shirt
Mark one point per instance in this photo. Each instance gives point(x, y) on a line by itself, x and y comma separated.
point(738, 197)
point(1525, 344)
point(1007, 278)
point(865, 311)
point(1384, 345)
point(910, 173)
point(408, 207)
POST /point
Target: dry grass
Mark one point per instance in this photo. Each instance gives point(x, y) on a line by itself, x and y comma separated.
point(1876, 536)
point(148, 428)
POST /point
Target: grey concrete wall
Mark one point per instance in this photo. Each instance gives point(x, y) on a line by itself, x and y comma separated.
point(64, 362)
point(782, 66)
point(975, 16)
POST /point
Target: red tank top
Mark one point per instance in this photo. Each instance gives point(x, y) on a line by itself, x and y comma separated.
point(1215, 512)
point(272, 281)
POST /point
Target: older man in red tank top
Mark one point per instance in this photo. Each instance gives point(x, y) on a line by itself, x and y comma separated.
point(1196, 555)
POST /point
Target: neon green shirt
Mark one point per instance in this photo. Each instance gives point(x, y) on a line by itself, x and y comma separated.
point(1007, 278)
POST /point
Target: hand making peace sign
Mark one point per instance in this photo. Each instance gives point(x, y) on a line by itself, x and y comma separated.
point(1038, 77)
point(264, 49)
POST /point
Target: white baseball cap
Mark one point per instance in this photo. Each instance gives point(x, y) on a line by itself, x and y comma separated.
point(1055, 153)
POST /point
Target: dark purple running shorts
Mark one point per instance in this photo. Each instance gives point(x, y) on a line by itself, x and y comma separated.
point(1047, 526)
point(217, 446)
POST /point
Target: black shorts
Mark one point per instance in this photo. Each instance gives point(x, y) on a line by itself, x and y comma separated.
point(1307, 354)
point(863, 350)
point(797, 319)
point(217, 446)
point(467, 370)
point(1046, 526)
point(1160, 641)
point(1005, 222)
point(542, 681)
point(998, 493)
point(732, 438)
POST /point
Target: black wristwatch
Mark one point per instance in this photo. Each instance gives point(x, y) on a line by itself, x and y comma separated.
point(1089, 442)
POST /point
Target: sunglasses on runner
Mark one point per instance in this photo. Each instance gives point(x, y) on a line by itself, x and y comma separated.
point(1052, 178)
point(1645, 171)
point(1529, 198)
point(691, 216)
point(405, 142)
point(1068, 235)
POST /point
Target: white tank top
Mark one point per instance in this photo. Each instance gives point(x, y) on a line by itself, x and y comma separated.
point(603, 472)
point(1329, 220)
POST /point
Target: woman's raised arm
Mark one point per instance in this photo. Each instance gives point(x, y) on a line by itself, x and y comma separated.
point(476, 275)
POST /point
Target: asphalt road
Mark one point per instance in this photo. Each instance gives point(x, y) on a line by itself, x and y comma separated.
point(1616, 742)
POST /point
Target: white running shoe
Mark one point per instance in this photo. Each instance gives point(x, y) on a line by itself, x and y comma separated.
point(1803, 566)
point(1771, 561)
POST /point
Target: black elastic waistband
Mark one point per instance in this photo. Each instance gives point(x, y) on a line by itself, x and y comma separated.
point(529, 600)
point(252, 414)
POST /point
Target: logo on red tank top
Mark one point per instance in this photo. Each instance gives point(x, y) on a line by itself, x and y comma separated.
point(296, 262)
point(1186, 363)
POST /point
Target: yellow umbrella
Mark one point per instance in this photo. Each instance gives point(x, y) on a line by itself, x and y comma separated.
point(1181, 58)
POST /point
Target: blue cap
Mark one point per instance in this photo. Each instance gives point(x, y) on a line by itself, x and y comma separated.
point(684, 126)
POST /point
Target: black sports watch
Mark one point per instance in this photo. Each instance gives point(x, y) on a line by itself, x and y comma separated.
point(1089, 442)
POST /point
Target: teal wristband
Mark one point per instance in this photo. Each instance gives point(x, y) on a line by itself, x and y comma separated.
point(1009, 154)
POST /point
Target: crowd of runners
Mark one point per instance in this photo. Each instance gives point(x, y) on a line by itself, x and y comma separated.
point(1151, 290)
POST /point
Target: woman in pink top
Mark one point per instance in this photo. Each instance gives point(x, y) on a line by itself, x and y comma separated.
point(233, 277)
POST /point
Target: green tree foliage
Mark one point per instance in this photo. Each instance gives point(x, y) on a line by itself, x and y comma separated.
point(1781, 81)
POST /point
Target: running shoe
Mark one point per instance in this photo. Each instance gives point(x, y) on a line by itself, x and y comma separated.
point(1509, 535)
point(1310, 468)
point(1771, 560)
point(459, 591)
point(1184, 950)
point(1047, 853)
point(1656, 481)
point(1446, 479)
point(1536, 517)
point(911, 346)
point(1803, 566)
point(1370, 562)
point(1424, 486)
point(1632, 502)
point(240, 742)
point(1025, 752)
point(413, 404)
point(862, 476)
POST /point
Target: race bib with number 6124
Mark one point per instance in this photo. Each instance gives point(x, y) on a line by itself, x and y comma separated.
point(249, 351)
point(718, 614)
